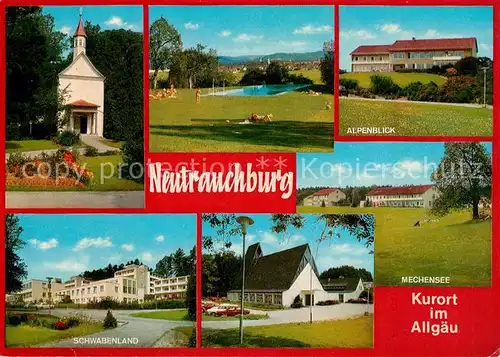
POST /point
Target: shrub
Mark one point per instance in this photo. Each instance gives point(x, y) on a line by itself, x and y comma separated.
point(13, 131)
point(460, 89)
point(110, 321)
point(351, 85)
point(73, 321)
point(13, 320)
point(384, 85)
point(68, 138)
point(412, 90)
point(297, 302)
point(299, 79)
point(429, 92)
point(327, 302)
point(91, 151)
point(60, 325)
point(364, 93)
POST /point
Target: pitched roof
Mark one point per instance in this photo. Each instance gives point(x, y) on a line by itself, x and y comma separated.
point(80, 30)
point(399, 190)
point(275, 271)
point(325, 191)
point(341, 285)
point(371, 49)
point(435, 44)
point(83, 104)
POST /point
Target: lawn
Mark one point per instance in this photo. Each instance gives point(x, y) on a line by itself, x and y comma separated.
point(113, 143)
point(101, 166)
point(171, 315)
point(29, 336)
point(454, 246)
point(415, 119)
point(357, 332)
point(401, 79)
point(30, 145)
point(300, 123)
point(313, 74)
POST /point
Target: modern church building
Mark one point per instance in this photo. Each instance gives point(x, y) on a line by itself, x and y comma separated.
point(82, 87)
point(280, 277)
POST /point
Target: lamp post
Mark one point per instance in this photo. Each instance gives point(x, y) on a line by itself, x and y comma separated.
point(244, 222)
point(49, 286)
point(484, 85)
point(311, 295)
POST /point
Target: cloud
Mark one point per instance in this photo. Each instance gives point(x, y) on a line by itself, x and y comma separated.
point(432, 33)
point(225, 33)
point(312, 30)
point(246, 37)
point(147, 257)
point(127, 247)
point(294, 44)
point(93, 242)
point(269, 238)
point(160, 238)
point(44, 245)
point(191, 26)
point(75, 265)
point(485, 47)
point(65, 30)
point(389, 28)
point(116, 21)
point(357, 34)
point(349, 249)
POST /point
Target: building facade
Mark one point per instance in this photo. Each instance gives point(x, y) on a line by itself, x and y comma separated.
point(412, 54)
point(324, 198)
point(82, 87)
point(35, 291)
point(280, 277)
point(405, 196)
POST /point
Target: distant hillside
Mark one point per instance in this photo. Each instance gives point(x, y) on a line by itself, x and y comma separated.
point(296, 57)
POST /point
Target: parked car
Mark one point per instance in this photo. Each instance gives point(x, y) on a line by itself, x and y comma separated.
point(205, 305)
point(216, 309)
point(234, 311)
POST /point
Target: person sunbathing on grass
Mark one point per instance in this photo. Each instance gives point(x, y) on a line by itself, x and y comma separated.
point(261, 118)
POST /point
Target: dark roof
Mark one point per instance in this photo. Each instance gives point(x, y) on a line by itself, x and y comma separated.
point(341, 285)
point(399, 190)
point(83, 104)
point(371, 49)
point(435, 44)
point(325, 191)
point(275, 271)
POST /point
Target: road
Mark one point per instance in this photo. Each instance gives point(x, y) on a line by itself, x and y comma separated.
point(74, 199)
point(131, 331)
point(320, 313)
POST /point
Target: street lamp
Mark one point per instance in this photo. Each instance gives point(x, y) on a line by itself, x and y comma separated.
point(244, 222)
point(311, 295)
point(484, 85)
point(49, 286)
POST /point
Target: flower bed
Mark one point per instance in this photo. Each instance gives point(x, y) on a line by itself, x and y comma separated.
point(60, 169)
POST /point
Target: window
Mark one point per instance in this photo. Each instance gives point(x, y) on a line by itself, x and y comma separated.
point(398, 55)
point(380, 58)
point(116, 288)
point(83, 291)
point(95, 289)
point(356, 58)
point(88, 290)
point(43, 294)
point(101, 288)
point(373, 58)
point(364, 58)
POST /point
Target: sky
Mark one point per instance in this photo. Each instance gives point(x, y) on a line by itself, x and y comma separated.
point(343, 250)
point(64, 245)
point(108, 17)
point(366, 164)
point(382, 25)
point(250, 30)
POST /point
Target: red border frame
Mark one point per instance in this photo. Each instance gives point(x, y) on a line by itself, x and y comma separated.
point(232, 351)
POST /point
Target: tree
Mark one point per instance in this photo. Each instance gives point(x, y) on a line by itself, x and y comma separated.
point(462, 178)
point(253, 76)
point(355, 197)
point(191, 297)
point(276, 73)
point(15, 268)
point(326, 65)
point(110, 321)
point(201, 66)
point(467, 66)
point(164, 267)
point(347, 271)
point(33, 61)
point(226, 227)
point(164, 45)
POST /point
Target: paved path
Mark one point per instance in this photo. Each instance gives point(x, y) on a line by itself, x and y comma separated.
point(468, 105)
point(74, 199)
point(31, 154)
point(320, 313)
point(139, 332)
point(95, 141)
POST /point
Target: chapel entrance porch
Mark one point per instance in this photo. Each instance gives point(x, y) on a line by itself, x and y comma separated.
point(83, 118)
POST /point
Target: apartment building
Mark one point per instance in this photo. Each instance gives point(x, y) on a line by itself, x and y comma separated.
point(326, 197)
point(35, 290)
point(404, 196)
point(130, 284)
point(412, 54)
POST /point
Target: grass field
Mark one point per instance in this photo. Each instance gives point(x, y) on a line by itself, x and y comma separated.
point(301, 123)
point(29, 145)
point(356, 332)
point(454, 246)
point(102, 167)
point(401, 79)
point(113, 143)
point(313, 74)
point(415, 119)
point(29, 336)
point(173, 315)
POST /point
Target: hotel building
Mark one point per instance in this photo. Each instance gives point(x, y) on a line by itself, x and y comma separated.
point(404, 196)
point(35, 290)
point(412, 54)
point(326, 197)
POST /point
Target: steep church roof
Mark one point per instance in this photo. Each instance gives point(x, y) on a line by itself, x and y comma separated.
point(80, 30)
point(340, 285)
point(277, 271)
